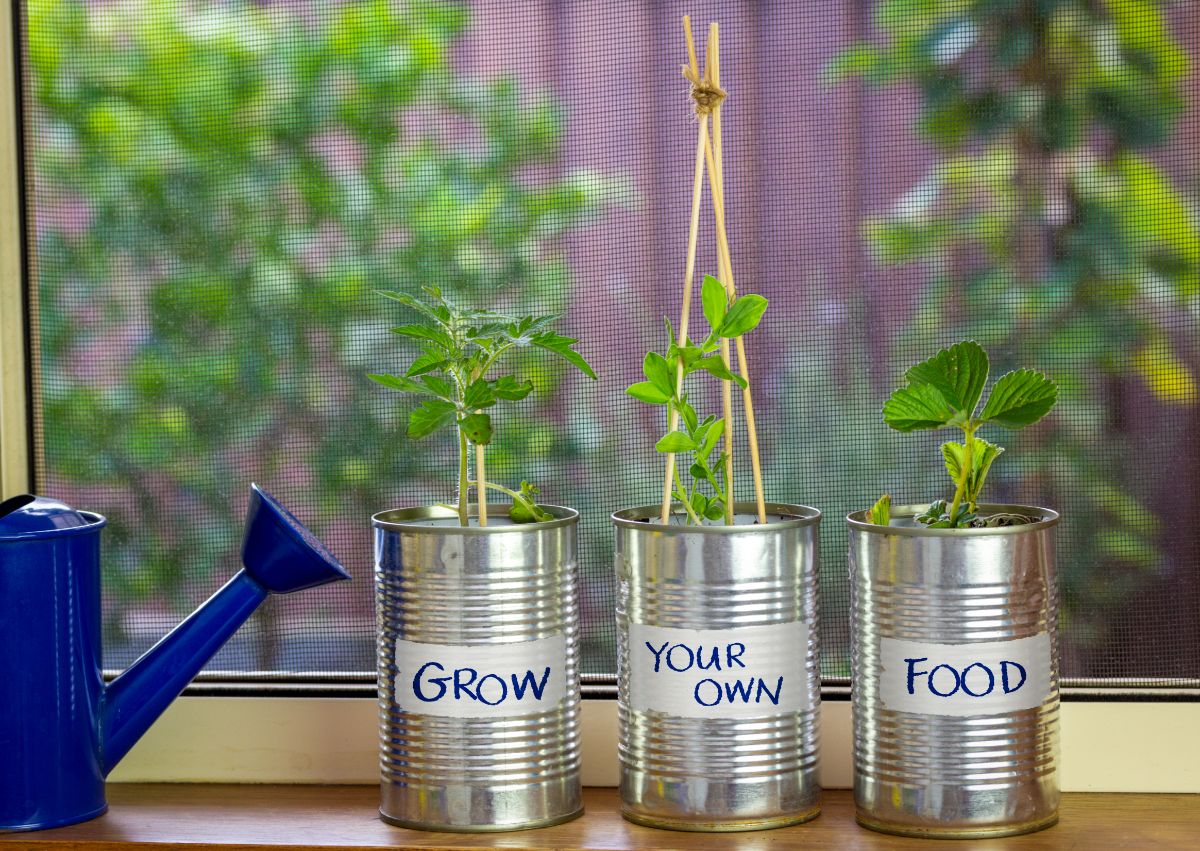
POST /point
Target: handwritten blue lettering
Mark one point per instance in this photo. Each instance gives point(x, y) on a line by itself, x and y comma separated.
point(771, 696)
point(716, 688)
point(1004, 675)
point(991, 680)
point(440, 682)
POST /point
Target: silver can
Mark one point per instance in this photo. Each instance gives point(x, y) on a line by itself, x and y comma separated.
point(478, 670)
point(718, 671)
point(955, 675)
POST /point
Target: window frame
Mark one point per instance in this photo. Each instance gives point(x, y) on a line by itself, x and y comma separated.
point(1113, 739)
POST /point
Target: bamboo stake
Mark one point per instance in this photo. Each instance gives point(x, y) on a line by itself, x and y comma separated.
point(716, 175)
point(481, 484)
point(710, 63)
point(689, 271)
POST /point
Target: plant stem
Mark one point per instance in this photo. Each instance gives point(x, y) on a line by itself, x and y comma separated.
point(687, 504)
point(964, 475)
point(481, 476)
point(464, 518)
point(528, 505)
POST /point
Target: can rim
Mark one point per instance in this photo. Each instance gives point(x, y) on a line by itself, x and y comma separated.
point(857, 520)
point(796, 516)
point(412, 520)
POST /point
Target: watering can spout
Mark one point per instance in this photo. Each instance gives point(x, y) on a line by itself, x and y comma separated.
point(279, 556)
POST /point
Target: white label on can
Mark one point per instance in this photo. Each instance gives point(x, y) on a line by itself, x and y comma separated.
point(719, 673)
point(983, 678)
point(481, 681)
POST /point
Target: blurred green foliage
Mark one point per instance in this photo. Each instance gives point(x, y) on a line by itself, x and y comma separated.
point(247, 174)
point(1050, 234)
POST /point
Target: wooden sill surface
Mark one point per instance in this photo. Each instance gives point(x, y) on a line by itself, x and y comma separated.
point(154, 816)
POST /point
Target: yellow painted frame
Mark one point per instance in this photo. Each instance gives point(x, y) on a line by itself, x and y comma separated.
point(15, 475)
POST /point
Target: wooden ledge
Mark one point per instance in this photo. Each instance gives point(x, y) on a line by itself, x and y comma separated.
point(152, 817)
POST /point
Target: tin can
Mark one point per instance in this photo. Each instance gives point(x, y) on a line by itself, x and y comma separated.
point(955, 675)
point(717, 669)
point(478, 670)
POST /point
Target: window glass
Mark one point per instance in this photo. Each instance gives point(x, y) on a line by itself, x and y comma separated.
point(216, 189)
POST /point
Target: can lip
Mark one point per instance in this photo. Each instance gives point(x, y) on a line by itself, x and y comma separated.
point(857, 520)
point(415, 520)
point(795, 517)
point(95, 523)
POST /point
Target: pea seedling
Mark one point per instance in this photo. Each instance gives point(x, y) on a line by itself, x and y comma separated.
point(943, 392)
point(459, 350)
point(709, 491)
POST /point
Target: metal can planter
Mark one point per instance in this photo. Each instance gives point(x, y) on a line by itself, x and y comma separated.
point(718, 671)
point(478, 670)
point(955, 688)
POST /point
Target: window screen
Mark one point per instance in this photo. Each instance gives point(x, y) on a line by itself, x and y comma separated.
point(215, 190)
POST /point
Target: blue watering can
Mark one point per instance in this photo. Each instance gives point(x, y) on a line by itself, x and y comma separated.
point(61, 730)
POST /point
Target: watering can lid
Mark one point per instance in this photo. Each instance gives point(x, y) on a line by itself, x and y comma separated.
point(25, 515)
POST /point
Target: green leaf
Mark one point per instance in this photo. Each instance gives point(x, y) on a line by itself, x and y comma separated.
point(714, 365)
point(958, 372)
point(715, 510)
point(528, 511)
point(422, 332)
point(690, 420)
point(477, 428)
point(479, 394)
point(396, 382)
point(676, 441)
point(561, 346)
point(917, 407)
point(428, 361)
point(432, 415)
point(1019, 399)
point(743, 316)
point(982, 456)
point(439, 386)
point(711, 436)
point(715, 300)
point(508, 388)
point(881, 512)
point(658, 371)
point(644, 391)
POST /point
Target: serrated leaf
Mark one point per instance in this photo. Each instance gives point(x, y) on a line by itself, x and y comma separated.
point(881, 512)
point(508, 388)
point(958, 372)
point(561, 346)
point(428, 361)
point(917, 407)
point(658, 372)
point(439, 386)
point(715, 301)
point(477, 428)
point(479, 394)
point(1019, 399)
point(743, 316)
point(423, 332)
point(676, 441)
point(982, 456)
point(396, 382)
point(644, 391)
point(716, 367)
point(432, 415)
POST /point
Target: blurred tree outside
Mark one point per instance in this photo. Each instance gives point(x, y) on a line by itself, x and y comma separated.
point(220, 188)
point(1048, 230)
